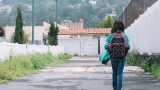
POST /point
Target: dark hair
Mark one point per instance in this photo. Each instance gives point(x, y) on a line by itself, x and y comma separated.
point(118, 26)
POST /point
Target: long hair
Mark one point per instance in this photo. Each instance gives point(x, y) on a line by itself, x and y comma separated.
point(118, 26)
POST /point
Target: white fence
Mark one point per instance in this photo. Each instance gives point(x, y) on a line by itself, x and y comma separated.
point(144, 33)
point(8, 49)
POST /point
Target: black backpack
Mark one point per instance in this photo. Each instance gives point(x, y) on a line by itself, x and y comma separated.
point(117, 46)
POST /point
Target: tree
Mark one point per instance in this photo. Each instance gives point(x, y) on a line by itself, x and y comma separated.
point(53, 35)
point(2, 32)
point(108, 23)
point(19, 33)
point(67, 10)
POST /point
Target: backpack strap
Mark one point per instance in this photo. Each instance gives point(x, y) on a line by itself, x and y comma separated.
point(123, 36)
point(125, 40)
point(109, 44)
point(112, 37)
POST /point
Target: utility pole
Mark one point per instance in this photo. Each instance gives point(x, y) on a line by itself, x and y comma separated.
point(99, 45)
point(4, 10)
point(56, 13)
point(32, 22)
point(0, 2)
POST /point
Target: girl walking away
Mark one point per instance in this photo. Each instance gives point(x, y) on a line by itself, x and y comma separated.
point(117, 45)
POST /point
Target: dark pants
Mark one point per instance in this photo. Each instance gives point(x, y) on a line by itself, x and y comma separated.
point(117, 75)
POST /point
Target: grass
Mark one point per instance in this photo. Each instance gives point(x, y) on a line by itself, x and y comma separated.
point(148, 65)
point(22, 65)
point(156, 70)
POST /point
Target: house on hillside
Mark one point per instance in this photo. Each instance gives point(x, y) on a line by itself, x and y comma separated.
point(73, 25)
point(5, 8)
point(93, 2)
point(113, 14)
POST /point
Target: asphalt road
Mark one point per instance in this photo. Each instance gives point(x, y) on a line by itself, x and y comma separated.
point(82, 73)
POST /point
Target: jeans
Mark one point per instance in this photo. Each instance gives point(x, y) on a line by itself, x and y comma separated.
point(117, 75)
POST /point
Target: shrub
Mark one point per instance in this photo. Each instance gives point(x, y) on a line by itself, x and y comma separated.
point(40, 61)
point(150, 64)
point(147, 64)
point(132, 58)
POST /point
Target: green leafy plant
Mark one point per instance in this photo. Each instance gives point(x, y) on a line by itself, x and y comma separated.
point(108, 23)
point(132, 58)
point(147, 64)
point(53, 34)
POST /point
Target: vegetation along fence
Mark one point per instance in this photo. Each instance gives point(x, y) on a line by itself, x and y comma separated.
point(8, 50)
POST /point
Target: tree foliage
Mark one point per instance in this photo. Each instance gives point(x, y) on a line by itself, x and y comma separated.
point(108, 23)
point(67, 10)
point(53, 34)
point(19, 33)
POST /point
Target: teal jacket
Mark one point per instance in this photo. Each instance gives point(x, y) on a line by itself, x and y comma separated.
point(108, 40)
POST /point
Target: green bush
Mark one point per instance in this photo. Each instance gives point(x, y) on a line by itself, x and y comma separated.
point(40, 61)
point(147, 64)
point(132, 58)
point(150, 63)
point(22, 65)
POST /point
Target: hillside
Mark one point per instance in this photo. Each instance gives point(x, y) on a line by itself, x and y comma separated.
point(67, 10)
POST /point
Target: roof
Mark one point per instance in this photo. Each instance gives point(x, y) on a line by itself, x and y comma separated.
point(46, 26)
point(85, 31)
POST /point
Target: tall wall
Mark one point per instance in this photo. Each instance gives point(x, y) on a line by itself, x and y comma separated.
point(144, 33)
point(134, 10)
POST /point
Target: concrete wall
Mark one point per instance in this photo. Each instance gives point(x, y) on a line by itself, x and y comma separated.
point(84, 46)
point(144, 33)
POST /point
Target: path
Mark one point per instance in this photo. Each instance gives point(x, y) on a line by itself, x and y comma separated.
point(82, 74)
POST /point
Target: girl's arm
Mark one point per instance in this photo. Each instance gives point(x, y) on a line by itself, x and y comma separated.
point(107, 41)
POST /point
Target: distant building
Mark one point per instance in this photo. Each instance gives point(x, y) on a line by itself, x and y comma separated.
point(5, 8)
point(39, 31)
point(93, 2)
point(73, 25)
point(113, 14)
